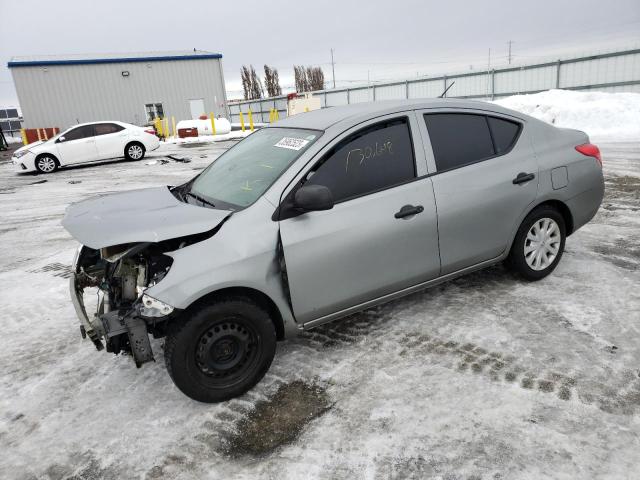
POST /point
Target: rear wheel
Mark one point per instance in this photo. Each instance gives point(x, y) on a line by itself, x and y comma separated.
point(221, 350)
point(539, 244)
point(134, 151)
point(46, 163)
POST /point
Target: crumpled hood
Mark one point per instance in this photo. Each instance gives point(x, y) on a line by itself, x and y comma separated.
point(146, 215)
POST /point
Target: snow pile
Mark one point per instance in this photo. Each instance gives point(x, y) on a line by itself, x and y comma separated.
point(603, 116)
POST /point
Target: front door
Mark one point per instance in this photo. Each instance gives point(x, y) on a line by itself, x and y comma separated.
point(478, 158)
point(381, 235)
point(78, 145)
point(110, 140)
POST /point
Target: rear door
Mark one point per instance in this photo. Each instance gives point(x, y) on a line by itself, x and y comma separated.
point(78, 146)
point(477, 158)
point(364, 247)
point(110, 140)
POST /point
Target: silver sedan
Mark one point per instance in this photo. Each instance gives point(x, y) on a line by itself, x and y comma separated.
point(319, 216)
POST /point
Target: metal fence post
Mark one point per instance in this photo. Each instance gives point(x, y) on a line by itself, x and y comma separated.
point(444, 90)
point(348, 96)
point(558, 73)
point(374, 92)
point(493, 84)
point(406, 89)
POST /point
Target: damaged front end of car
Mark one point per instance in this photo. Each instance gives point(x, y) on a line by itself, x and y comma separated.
point(124, 315)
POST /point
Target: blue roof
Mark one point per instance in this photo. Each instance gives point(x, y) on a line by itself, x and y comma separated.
point(41, 61)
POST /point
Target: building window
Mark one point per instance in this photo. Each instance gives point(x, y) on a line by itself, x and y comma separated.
point(154, 110)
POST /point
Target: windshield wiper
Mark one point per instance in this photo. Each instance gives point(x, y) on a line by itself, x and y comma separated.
point(198, 197)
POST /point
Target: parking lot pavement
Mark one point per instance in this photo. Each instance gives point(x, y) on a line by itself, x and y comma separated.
point(482, 377)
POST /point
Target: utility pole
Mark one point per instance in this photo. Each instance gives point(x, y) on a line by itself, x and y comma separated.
point(488, 71)
point(333, 69)
point(509, 43)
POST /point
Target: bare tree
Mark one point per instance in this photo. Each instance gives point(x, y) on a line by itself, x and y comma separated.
point(308, 79)
point(256, 84)
point(315, 78)
point(245, 76)
point(271, 81)
point(251, 84)
point(300, 76)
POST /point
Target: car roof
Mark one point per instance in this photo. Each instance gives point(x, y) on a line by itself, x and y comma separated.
point(327, 117)
point(101, 121)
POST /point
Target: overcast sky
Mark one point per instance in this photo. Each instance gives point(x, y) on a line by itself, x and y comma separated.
point(374, 39)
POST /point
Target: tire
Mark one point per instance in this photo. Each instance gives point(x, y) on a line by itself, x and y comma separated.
point(46, 163)
point(221, 349)
point(134, 151)
point(539, 244)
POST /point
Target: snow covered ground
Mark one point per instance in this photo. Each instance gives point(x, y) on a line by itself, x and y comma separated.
point(603, 116)
point(483, 377)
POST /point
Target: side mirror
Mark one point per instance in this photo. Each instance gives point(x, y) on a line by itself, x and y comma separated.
point(60, 139)
point(310, 198)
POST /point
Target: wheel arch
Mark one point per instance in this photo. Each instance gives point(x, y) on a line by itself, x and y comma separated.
point(559, 205)
point(259, 297)
point(47, 154)
point(564, 210)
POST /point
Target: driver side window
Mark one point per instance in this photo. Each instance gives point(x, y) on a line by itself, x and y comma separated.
point(78, 133)
point(373, 159)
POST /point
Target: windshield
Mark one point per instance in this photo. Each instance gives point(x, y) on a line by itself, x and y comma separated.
point(243, 173)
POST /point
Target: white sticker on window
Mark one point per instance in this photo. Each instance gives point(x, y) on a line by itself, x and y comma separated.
point(292, 143)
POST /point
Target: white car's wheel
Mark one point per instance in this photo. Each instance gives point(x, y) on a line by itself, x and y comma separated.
point(134, 151)
point(46, 163)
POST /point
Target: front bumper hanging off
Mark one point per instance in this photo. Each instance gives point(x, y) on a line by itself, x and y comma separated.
point(110, 324)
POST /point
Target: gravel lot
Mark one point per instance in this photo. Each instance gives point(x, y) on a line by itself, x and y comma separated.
point(482, 377)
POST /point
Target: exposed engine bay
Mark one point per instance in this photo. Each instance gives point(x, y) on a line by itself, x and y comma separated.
point(124, 314)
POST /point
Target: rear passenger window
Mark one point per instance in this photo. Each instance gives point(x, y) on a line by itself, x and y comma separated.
point(106, 128)
point(373, 159)
point(458, 139)
point(504, 133)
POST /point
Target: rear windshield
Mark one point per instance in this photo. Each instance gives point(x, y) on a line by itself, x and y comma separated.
point(243, 173)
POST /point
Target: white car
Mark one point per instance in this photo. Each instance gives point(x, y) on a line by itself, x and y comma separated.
point(87, 142)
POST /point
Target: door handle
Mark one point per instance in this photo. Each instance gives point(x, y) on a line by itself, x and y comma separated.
point(523, 177)
point(409, 210)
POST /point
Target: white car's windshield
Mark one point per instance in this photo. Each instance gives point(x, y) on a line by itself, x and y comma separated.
point(243, 173)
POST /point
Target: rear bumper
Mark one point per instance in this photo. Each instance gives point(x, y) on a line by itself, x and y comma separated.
point(585, 205)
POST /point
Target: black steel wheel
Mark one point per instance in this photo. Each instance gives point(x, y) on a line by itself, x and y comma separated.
point(221, 350)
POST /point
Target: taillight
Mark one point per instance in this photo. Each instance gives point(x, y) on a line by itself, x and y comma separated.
point(590, 150)
point(153, 132)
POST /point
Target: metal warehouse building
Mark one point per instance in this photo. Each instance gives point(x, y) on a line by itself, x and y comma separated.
point(135, 88)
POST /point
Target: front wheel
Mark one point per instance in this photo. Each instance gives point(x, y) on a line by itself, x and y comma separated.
point(539, 244)
point(134, 151)
point(46, 164)
point(221, 350)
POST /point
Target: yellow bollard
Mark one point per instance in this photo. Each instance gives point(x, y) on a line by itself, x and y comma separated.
point(241, 121)
point(271, 115)
point(173, 122)
point(213, 123)
point(250, 120)
point(23, 134)
point(276, 114)
point(166, 127)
